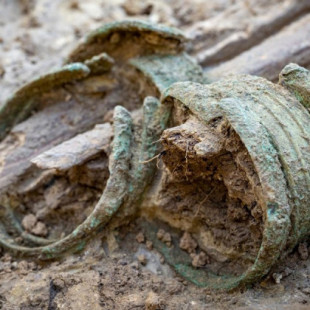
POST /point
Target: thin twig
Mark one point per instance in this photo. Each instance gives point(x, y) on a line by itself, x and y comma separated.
point(186, 161)
point(203, 200)
point(151, 159)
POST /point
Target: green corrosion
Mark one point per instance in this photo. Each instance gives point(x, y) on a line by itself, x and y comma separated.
point(111, 37)
point(297, 80)
point(19, 106)
point(165, 70)
point(274, 127)
point(130, 170)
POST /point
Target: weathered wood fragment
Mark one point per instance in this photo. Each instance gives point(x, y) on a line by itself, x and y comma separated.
point(77, 150)
point(240, 27)
point(292, 44)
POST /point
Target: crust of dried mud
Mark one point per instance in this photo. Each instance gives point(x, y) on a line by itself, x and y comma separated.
point(118, 270)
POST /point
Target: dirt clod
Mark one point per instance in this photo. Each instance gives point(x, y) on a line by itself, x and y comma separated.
point(6, 257)
point(29, 222)
point(149, 244)
point(188, 243)
point(140, 237)
point(167, 239)
point(277, 277)
point(152, 301)
point(200, 260)
point(160, 234)
point(40, 229)
point(59, 283)
point(164, 237)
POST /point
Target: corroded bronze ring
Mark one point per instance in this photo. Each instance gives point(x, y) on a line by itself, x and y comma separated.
point(124, 63)
point(244, 142)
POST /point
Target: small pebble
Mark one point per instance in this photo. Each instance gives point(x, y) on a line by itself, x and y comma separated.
point(167, 239)
point(164, 237)
point(187, 243)
point(140, 237)
point(160, 234)
point(149, 244)
point(277, 277)
point(29, 222)
point(142, 259)
point(59, 283)
point(40, 229)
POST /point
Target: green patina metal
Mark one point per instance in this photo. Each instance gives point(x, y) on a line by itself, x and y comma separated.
point(135, 26)
point(98, 54)
point(156, 39)
point(111, 199)
point(165, 70)
point(20, 105)
point(297, 80)
point(274, 127)
point(179, 259)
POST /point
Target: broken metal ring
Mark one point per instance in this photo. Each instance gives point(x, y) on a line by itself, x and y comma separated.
point(152, 58)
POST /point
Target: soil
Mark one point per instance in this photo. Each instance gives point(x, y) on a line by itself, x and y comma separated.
point(120, 268)
point(212, 192)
